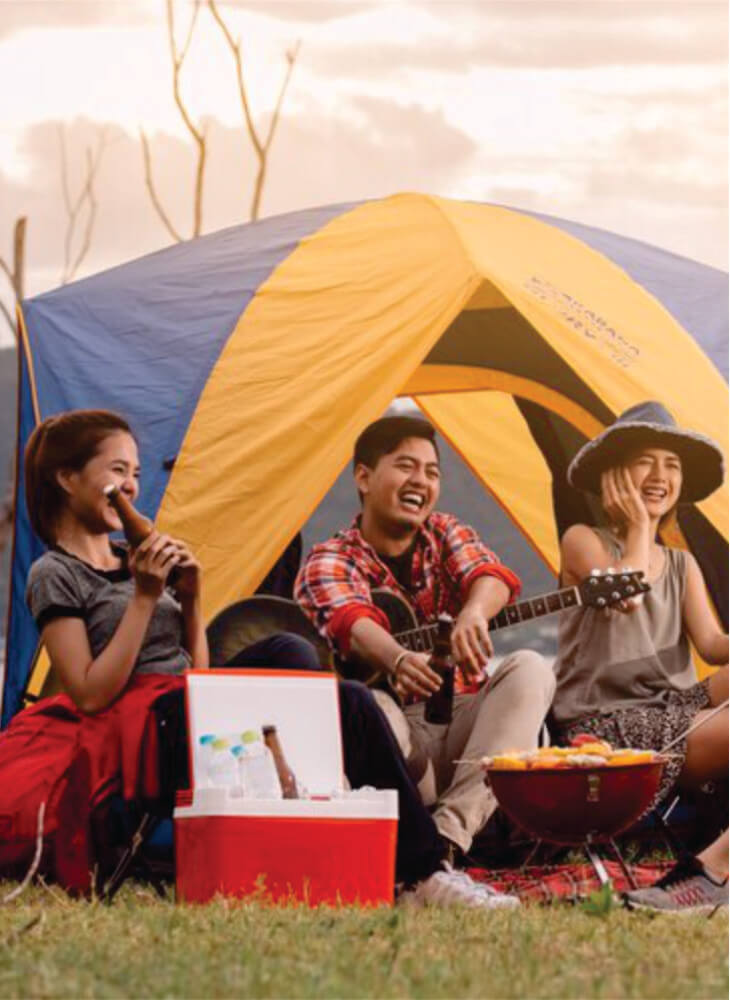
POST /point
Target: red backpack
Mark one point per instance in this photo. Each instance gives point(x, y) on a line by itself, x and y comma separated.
point(77, 764)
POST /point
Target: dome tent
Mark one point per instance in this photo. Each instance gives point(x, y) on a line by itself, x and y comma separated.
point(249, 360)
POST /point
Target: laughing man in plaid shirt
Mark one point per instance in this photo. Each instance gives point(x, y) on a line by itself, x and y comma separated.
point(401, 544)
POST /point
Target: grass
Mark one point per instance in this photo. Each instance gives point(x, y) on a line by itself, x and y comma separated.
point(141, 946)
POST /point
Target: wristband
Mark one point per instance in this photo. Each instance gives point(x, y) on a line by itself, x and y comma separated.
point(398, 660)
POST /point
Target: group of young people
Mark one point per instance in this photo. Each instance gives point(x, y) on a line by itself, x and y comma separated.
point(108, 616)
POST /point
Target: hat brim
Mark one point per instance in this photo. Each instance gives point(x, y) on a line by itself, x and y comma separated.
point(703, 466)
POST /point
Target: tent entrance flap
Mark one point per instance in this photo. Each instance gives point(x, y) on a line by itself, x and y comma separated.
point(434, 379)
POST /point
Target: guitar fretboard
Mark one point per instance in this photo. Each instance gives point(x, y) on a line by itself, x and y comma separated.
point(422, 639)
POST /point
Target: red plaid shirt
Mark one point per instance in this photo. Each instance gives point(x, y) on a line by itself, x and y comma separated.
point(334, 585)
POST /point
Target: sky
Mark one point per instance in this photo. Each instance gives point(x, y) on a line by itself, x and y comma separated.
point(605, 112)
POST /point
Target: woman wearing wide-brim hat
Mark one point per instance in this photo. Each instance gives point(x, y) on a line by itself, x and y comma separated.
point(629, 677)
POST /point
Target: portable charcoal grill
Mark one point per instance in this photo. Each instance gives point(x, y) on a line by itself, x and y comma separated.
point(578, 806)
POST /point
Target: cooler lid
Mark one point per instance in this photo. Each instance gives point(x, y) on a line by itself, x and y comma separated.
point(303, 705)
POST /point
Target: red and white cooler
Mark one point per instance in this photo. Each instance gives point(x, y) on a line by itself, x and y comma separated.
point(332, 845)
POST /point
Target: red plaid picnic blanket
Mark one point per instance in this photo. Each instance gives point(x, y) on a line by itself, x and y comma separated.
point(546, 883)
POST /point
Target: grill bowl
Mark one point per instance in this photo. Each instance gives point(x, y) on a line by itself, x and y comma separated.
point(567, 805)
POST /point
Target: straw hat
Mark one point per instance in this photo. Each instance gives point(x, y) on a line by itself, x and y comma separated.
point(650, 425)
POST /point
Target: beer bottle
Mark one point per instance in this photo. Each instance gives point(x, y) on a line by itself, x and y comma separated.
point(135, 525)
point(439, 705)
point(286, 776)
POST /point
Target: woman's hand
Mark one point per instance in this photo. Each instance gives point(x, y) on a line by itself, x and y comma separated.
point(621, 500)
point(151, 562)
point(188, 574)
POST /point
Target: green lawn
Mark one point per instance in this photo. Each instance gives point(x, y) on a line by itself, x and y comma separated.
point(141, 946)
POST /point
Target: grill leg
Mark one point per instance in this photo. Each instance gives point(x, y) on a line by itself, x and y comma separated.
point(533, 851)
point(595, 860)
point(628, 874)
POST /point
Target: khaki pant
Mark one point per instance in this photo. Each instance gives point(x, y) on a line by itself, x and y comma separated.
point(505, 715)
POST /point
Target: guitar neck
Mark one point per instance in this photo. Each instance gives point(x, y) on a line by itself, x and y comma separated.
point(536, 607)
point(422, 639)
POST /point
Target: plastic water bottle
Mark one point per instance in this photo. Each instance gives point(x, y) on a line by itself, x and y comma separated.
point(259, 778)
point(221, 769)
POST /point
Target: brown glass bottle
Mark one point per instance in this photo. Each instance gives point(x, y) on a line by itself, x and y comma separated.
point(135, 525)
point(439, 705)
point(286, 776)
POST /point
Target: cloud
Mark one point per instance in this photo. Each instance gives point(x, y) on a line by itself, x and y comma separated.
point(301, 10)
point(22, 15)
point(660, 187)
point(539, 35)
point(316, 158)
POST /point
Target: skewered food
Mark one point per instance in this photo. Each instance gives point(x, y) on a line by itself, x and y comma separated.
point(584, 751)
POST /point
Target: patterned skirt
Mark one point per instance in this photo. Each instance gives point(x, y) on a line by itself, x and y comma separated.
point(648, 727)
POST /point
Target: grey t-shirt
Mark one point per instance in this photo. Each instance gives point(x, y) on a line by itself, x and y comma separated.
point(62, 586)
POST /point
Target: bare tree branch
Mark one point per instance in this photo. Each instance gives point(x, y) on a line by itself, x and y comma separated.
point(64, 170)
point(16, 275)
point(91, 168)
point(198, 134)
point(291, 58)
point(264, 160)
point(86, 196)
point(260, 148)
point(235, 47)
point(19, 257)
point(188, 40)
point(153, 193)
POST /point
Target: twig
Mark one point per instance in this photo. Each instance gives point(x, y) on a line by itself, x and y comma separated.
point(261, 148)
point(264, 159)
point(63, 900)
point(153, 193)
point(33, 922)
point(291, 58)
point(235, 47)
point(16, 274)
point(35, 862)
point(199, 136)
point(73, 209)
point(89, 191)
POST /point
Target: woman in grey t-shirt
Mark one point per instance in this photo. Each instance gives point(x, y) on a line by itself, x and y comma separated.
point(103, 611)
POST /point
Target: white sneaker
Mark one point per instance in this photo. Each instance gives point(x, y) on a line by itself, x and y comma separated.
point(449, 887)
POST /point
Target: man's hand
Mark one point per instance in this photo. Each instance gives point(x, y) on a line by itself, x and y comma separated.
point(471, 644)
point(413, 675)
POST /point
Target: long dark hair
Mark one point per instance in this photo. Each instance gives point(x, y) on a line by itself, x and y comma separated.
point(65, 442)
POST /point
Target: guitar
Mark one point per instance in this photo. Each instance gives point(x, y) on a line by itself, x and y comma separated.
point(260, 616)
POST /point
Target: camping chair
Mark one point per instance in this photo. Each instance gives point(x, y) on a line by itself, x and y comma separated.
point(145, 829)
